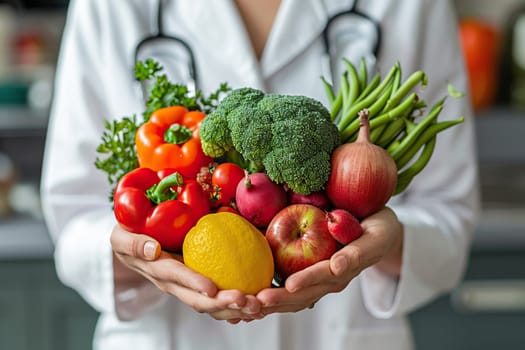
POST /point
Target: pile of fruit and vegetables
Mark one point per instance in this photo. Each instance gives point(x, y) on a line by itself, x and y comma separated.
point(243, 181)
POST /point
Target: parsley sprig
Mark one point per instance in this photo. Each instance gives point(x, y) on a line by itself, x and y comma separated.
point(117, 148)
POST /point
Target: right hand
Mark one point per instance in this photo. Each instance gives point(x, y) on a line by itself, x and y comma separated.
point(139, 257)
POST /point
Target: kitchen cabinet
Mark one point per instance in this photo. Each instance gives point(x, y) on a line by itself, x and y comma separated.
point(38, 312)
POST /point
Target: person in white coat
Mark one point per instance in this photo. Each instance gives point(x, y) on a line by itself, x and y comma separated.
point(411, 252)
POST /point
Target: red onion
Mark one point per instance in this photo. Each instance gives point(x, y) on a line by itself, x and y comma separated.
point(258, 199)
point(363, 175)
point(317, 199)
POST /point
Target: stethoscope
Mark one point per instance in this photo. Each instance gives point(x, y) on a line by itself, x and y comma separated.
point(193, 83)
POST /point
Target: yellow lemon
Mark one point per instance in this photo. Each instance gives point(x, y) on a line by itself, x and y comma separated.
point(229, 250)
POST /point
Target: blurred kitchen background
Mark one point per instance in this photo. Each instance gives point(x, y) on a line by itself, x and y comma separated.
point(486, 311)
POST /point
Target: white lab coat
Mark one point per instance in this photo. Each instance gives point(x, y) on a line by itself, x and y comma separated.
point(95, 81)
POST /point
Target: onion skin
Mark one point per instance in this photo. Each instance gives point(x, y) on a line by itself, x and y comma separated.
point(363, 175)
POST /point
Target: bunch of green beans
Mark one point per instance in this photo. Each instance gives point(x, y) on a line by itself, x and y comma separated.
point(400, 121)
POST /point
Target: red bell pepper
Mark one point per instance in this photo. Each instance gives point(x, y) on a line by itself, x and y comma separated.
point(161, 204)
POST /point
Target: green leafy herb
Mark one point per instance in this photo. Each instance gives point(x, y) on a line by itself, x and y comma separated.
point(117, 147)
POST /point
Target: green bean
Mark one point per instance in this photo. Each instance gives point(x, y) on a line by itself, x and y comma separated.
point(376, 133)
point(407, 86)
point(405, 177)
point(353, 80)
point(363, 77)
point(338, 103)
point(393, 145)
point(344, 90)
point(409, 125)
point(390, 132)
point(431, 131)
point(397, 82)
point(395, 128)
point(394, 113)
point(376, 79)
point(329, 92)
point(378, 105)
point(375, 109)
point(350, 115)
point(412, 136)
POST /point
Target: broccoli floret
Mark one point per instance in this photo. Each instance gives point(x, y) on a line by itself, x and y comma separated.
point(215, 127)
point(290, 137)
point(302, 174)
point(215, 132)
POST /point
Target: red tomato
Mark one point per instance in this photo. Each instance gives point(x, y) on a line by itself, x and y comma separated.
point(227, 208)
point(480, 44)
point(224, 179)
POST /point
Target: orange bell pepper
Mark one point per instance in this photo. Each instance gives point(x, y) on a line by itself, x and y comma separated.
point(170, 139)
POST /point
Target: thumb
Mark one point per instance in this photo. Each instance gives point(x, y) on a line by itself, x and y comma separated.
point(347, 259)
point(132, 244)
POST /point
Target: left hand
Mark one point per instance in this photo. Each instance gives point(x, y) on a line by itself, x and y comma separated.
point(381, 244)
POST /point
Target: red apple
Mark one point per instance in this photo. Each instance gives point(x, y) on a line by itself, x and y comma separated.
point(298, 236)
point(343, 226)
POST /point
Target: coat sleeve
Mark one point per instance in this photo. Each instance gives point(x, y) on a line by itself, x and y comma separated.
point(74, 193)
point(440, 207)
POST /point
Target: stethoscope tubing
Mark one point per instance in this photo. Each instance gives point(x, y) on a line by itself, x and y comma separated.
point(325, 59)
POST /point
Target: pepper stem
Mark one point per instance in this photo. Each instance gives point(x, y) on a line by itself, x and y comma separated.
point(163, 190)
point(177, 134)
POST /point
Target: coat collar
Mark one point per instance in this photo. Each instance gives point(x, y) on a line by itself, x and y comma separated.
point(297, 24)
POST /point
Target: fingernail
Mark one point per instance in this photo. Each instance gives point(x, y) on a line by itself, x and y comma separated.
point(234, 306)
point(248, 311)
point(256, 316)
point(340, 264)
point(150, 249)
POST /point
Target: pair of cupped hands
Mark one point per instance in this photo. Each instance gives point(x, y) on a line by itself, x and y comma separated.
point(140, 257)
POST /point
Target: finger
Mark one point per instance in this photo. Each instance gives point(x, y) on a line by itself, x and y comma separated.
point(167, 272)
point(358, 255)
point(235, 315)
point(233, 299)
point(234, 320)
point(273, 297)
point(223, 306)
point(137, 245)
point(280, 300)
point(202, 303)
point(252, 306)
point(317, 273)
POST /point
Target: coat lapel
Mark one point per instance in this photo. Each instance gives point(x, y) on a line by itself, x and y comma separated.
point(217, 27)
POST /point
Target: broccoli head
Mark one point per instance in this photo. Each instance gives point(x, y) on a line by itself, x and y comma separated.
point(290, 137)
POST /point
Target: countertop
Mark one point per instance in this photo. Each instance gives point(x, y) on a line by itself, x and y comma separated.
point(24, 237)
